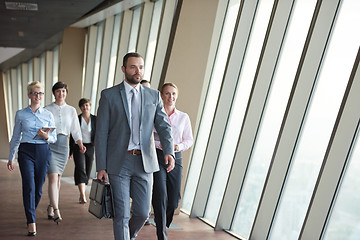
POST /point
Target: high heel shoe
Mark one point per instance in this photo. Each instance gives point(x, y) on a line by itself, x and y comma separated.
point(50, 216)
point(82, 200)
point(57, 217)
point(31, 234)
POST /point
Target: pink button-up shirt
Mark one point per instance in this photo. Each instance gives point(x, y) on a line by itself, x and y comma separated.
point(180, 131)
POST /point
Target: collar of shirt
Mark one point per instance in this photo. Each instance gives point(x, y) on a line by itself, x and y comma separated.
point(128, 88)
point(40, 109)
point(175, 112)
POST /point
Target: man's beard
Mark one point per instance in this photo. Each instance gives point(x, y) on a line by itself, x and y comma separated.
point(131, 79)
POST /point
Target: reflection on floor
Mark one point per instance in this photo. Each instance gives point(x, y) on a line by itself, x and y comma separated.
point(77, 222)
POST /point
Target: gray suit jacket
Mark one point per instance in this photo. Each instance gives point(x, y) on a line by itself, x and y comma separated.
point(113, 129)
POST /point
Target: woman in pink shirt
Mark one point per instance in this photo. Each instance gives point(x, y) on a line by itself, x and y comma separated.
point(167, 185)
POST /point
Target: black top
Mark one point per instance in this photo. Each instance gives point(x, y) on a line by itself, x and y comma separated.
point(93, 130)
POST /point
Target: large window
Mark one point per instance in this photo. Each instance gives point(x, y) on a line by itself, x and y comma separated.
point(114, 50)
point(95, 79)
point(274, 111)
point(318, 125)
point(210, 105)
point(345, 216)
point(153, 35)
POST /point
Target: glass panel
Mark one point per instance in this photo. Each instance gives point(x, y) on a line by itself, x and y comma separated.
point(345, 217)
point(11, 114)
point(55, 68)
point(273, 114)
point(31, 72)
point(319, 123)
point(42, 75)
point(84, 63)
point(153, 35)
point(19, 86)
point(210, 103)
point(42, 69)
point(238, 110)
point(97, 65)
point(134, 29)
point(113, 51)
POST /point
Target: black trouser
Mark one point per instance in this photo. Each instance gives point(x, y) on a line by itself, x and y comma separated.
point(33, 163)
point(166, 193)
point(83, 163)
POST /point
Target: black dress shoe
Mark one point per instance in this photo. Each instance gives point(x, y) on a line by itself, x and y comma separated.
point(31, 234)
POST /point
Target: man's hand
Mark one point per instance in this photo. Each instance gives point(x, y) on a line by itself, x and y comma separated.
point(171, 161)
point(102, 175)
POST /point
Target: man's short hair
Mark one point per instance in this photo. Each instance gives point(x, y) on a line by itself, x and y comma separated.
point(129, 55)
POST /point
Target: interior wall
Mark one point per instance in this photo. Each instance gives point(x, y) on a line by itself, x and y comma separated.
point(70, 71)
point(4, 141)
point(188, 59)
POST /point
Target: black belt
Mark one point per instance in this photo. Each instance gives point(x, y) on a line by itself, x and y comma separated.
point(134, 152)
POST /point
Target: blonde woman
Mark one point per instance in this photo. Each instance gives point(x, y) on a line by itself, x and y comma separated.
point(30, 138)
point(166, 197)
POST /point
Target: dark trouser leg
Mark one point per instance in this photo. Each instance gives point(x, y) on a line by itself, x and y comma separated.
point(173, 192)
point(33, 163)
point(159, 202)
point(89, 159)
point(79, 171)
point(41, 167)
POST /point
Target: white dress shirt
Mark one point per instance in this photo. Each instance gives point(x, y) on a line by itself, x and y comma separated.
point(86, 130)
point(66, 120)
point(128, 90)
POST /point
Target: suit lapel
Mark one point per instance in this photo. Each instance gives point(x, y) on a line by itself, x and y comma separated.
point(125, 102)
point(142, 103)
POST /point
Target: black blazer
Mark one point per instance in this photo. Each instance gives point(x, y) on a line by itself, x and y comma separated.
point(93, 130)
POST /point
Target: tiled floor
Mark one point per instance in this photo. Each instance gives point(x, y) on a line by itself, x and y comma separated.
point(77, 222)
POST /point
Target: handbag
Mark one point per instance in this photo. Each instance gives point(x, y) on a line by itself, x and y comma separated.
point(101, 204)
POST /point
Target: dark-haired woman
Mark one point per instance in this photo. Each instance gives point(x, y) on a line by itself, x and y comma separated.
point(66, 123)
point(83, 161)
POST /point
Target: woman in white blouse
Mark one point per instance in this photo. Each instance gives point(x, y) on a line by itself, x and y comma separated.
point(66, 123)
point(83, 162)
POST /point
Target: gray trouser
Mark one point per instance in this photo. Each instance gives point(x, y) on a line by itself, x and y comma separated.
point(132, 182)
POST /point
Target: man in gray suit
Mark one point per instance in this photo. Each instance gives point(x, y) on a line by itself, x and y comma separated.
point(124, 145)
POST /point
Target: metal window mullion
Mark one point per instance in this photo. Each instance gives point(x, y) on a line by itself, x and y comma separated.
point(123, 44)
point(90, 61)
point(163, 41)
point(310, 62)
point(105, 57)
point(14, 90)
point(24, 83)
point(145, 28)
point(335, 158)
point(228, 205)
point(49, 66)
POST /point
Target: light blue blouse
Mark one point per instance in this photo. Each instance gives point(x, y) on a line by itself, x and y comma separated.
point(27, 125)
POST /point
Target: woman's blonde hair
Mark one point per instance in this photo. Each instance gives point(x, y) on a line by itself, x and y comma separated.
point(167, 85)
point(34, 84)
